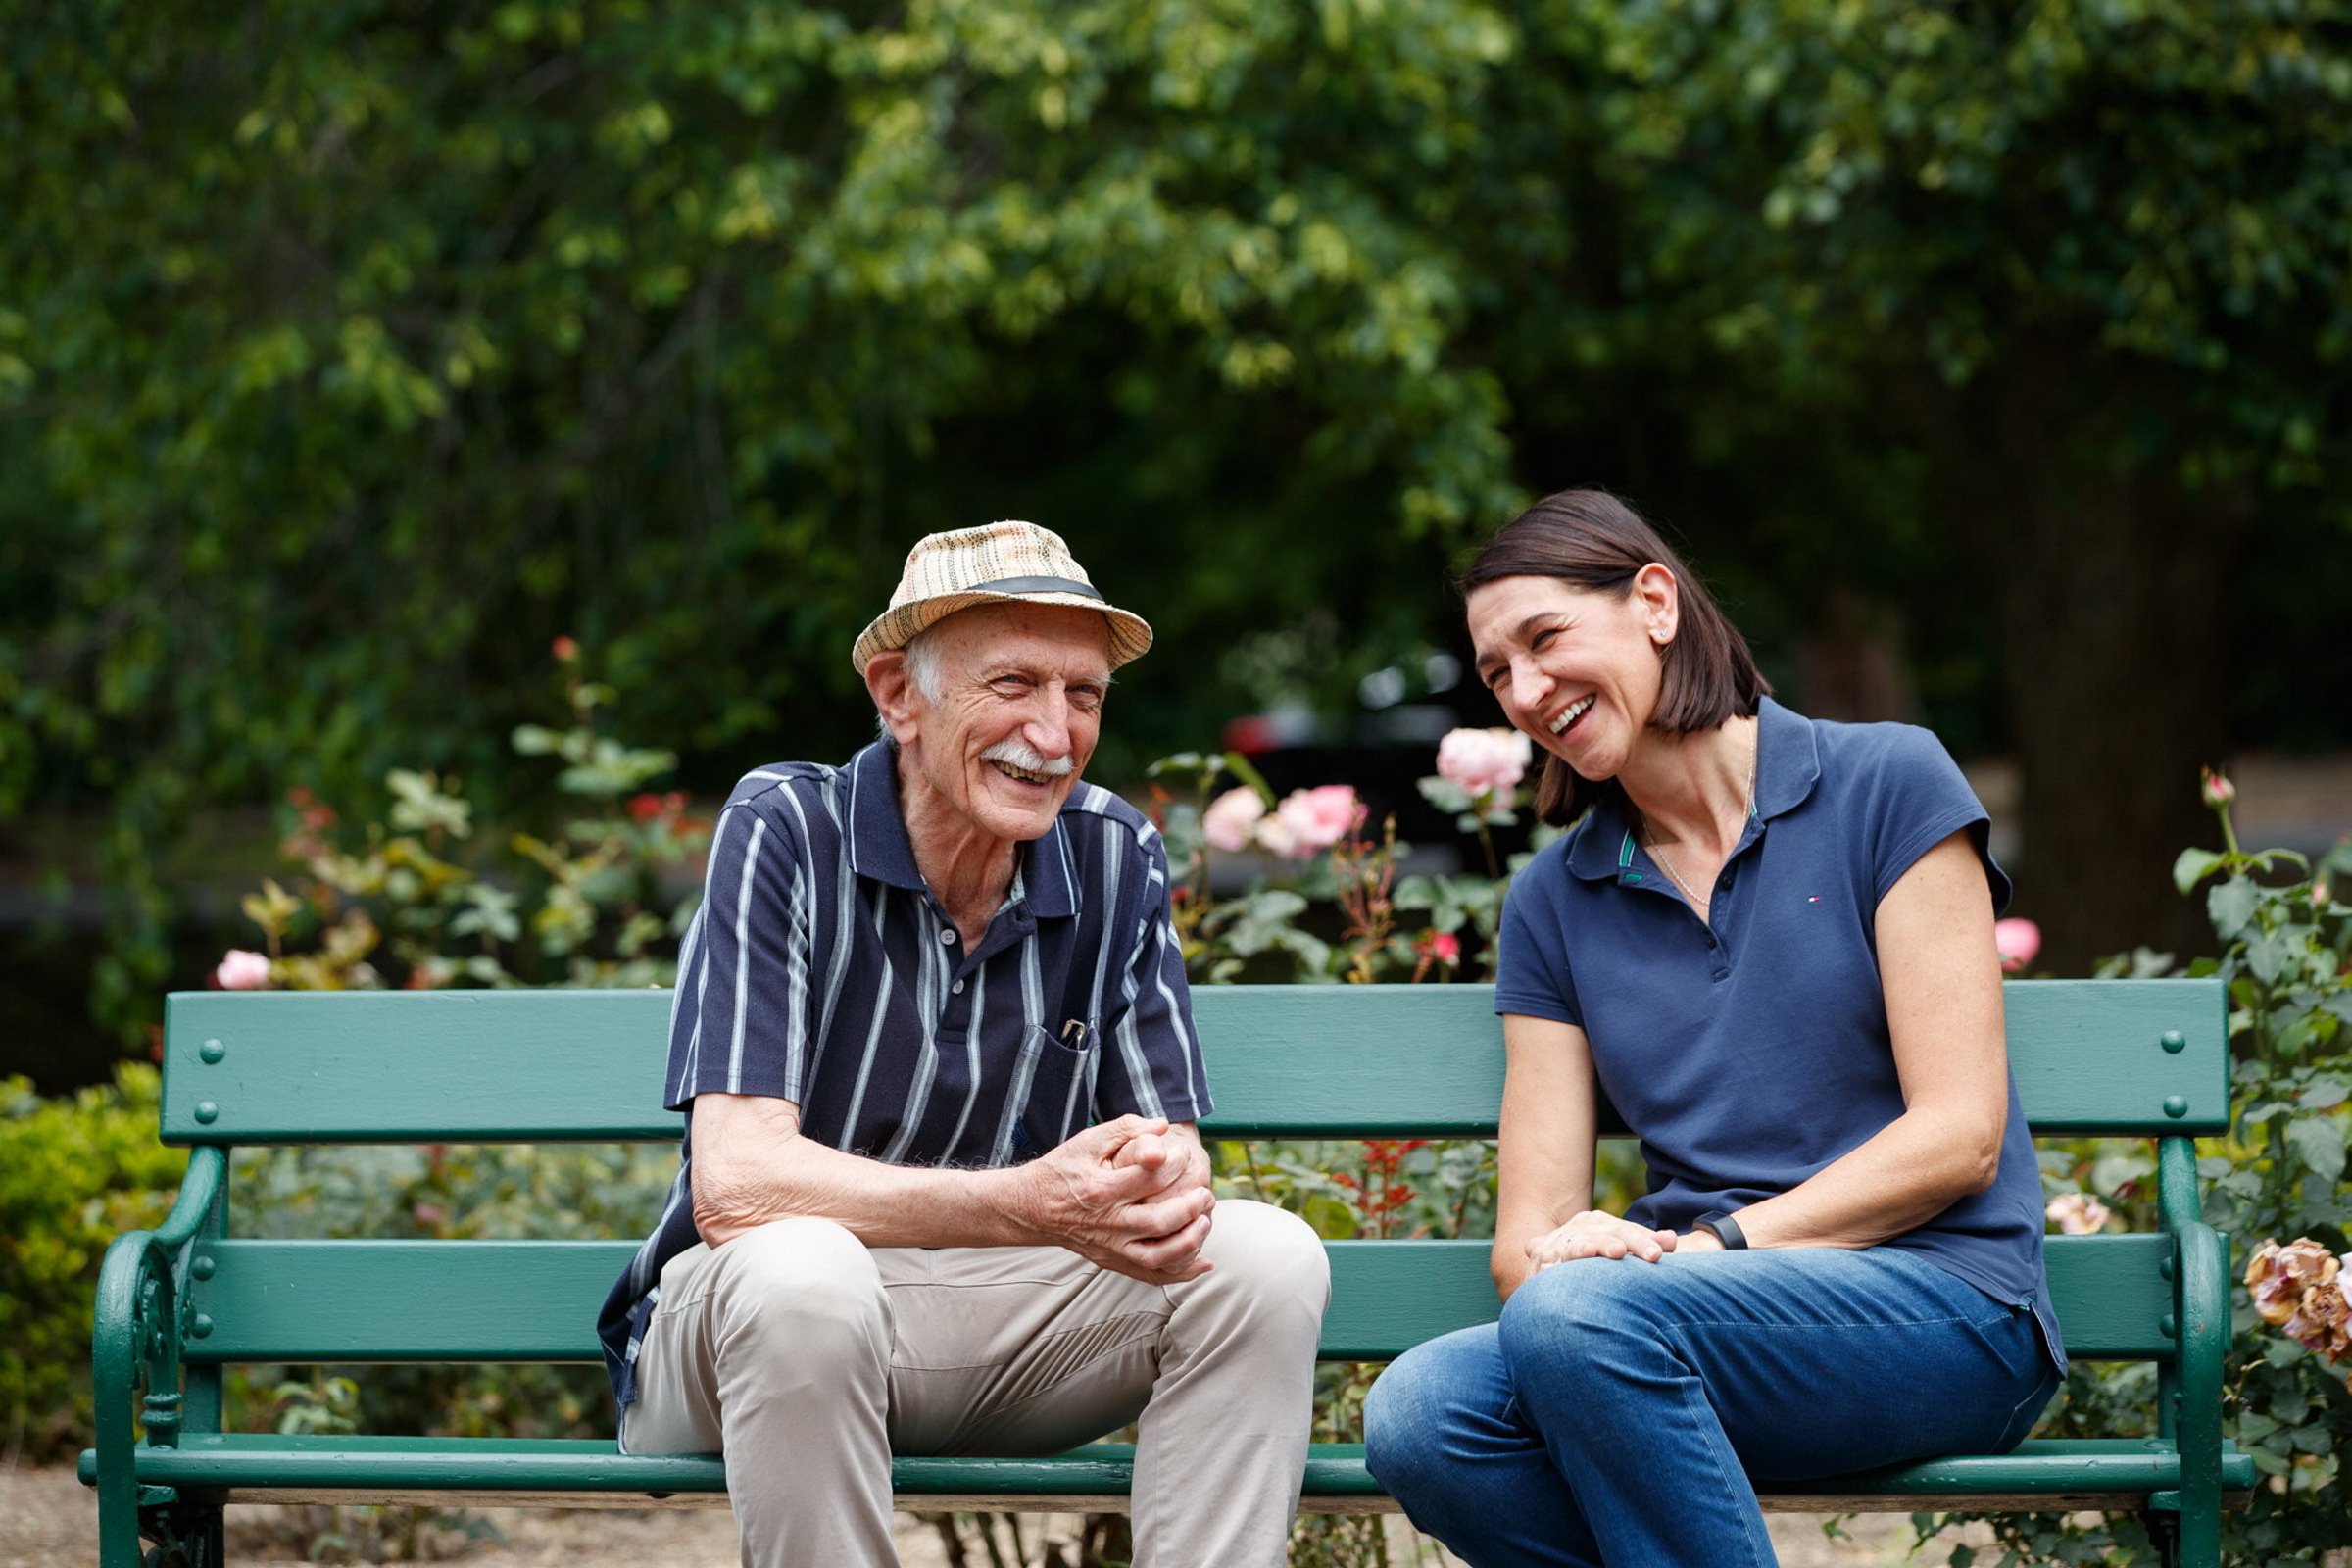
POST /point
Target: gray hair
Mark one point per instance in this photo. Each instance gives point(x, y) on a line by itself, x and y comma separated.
point(922, 669)
point(922, 664)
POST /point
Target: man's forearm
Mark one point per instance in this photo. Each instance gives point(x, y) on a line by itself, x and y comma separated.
point(1131, 1193)
point(743, 1185)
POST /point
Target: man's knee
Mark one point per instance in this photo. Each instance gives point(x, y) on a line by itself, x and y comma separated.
point(803, 1289)
point(1272, 1256)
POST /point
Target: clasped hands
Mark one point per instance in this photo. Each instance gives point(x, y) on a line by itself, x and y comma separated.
point(1595, 1233)
point(1130, 1195)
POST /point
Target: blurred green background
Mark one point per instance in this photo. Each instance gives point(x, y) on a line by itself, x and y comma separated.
point(1989, 358)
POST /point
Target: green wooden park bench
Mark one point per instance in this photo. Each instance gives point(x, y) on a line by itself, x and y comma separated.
point(178, 1304)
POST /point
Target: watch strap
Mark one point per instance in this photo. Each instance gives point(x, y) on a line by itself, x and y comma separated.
point(1724, 1228)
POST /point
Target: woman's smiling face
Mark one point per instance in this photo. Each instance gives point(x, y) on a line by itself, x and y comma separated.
point(1577, 669)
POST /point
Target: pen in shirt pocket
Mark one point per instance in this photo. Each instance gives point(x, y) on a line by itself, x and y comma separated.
point(1073, 1034)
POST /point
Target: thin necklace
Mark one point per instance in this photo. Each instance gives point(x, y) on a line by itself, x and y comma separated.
point(1649, 841)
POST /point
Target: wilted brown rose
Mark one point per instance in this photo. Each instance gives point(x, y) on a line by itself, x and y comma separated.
point(2279, 1276)
point(2324, 1321)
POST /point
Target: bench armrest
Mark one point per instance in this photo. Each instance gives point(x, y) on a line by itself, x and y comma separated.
point(2201, 1291)
point(140, 1322)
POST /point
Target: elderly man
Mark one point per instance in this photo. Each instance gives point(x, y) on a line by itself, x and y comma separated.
point(941, 1191)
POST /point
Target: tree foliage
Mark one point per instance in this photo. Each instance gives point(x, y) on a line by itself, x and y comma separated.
point(351, 351)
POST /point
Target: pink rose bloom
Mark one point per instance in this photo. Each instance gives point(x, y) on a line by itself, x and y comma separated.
point(1227, 822)
point(2077, 1213)
point(1311, 821)
point(2017, 942)
point(1483, 761)
point(241, 970)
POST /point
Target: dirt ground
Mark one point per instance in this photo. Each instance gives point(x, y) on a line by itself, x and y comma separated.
point(50, 1520)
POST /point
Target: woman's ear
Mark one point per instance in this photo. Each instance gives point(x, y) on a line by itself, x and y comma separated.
point(1659, 599)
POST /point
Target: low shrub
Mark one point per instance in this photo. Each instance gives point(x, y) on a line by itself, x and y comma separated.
point(75, 1173)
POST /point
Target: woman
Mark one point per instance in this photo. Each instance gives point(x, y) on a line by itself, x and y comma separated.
point(1769, 945)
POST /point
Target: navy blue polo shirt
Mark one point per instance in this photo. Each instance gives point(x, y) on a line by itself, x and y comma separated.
point(1751, 1050)
point(820, 970)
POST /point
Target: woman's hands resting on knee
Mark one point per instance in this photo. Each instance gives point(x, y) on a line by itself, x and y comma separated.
point(1595, 1233)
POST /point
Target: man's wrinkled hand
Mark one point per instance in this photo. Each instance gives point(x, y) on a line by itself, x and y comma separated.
point(1180, 1160)
point(1128, 1196)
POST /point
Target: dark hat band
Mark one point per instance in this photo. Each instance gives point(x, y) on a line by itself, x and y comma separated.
point(1033, 585)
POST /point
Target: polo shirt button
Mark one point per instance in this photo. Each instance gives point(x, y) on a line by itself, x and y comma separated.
point(958, 988)
point(948, 936)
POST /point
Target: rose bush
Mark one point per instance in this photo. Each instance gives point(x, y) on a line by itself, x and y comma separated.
point(2286, 956)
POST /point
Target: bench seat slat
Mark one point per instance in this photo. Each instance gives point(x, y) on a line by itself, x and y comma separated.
point(2056, 1473)
point(432, 1301)
point(429, 1300)
point(1289, 1061)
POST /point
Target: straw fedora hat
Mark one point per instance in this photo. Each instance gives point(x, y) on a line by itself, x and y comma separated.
point(1001, 563)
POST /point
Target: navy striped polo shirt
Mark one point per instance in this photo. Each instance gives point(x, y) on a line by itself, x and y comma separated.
point(820, 970)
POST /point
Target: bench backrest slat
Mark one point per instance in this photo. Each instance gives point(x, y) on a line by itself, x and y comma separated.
point(1294, 1061)
point(303, 1301)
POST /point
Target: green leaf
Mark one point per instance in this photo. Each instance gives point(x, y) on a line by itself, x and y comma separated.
point(2323, 1092)
point(2267, 954)
point(1331, 1219)
point(2230, 906)
point(2318, 1143)
point(2193, 866)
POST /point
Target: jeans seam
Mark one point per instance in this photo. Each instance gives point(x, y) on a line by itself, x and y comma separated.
point(1878, 1327)
point(1718, 1450)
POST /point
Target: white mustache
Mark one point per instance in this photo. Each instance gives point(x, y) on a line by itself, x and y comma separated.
point(1027, 758)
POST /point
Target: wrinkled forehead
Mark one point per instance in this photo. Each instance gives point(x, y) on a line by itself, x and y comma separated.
point(1063, 639)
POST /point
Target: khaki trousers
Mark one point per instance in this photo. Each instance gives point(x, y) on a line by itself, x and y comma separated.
point(807, 1358)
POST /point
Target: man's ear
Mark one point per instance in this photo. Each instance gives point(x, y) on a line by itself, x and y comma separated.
point(1660, 600)
point(891, 685)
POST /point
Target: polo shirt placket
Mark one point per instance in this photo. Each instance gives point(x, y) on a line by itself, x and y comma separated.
point(1723, 914)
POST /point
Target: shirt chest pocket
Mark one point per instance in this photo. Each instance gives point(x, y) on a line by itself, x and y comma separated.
point(1060, 1074)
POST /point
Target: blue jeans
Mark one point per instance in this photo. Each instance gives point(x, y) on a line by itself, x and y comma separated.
point(1616, 1414)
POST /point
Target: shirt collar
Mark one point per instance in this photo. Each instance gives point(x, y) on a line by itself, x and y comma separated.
point(1788, 766)
point(880, 850)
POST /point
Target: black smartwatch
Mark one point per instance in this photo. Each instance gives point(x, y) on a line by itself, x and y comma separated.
point(1724, 1228)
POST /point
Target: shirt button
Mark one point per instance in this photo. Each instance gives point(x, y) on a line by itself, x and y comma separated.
point(958, 988)
point(948, 936)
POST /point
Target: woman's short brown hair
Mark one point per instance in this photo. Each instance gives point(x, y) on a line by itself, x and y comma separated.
point(1593, 540)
